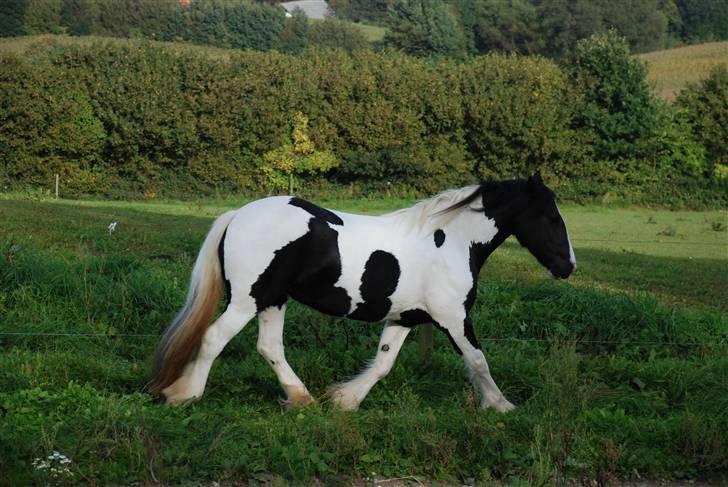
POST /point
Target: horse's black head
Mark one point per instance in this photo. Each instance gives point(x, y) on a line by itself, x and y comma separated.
point(540, 228)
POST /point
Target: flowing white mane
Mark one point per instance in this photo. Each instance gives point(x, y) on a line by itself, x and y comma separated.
point(426, 215)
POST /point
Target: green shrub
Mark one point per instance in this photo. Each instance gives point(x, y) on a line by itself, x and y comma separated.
point(517, 115)
point(47, 126)
point(616, 105)
point(704, 106)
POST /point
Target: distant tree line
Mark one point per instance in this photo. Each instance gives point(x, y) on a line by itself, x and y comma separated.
point(137, 117)
point(456, 28)
point(549, 27)
point(223, 23)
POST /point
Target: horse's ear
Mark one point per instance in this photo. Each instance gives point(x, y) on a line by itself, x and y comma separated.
point(535, 180)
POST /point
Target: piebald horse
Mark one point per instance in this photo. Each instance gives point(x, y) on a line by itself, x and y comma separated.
point(413, 266)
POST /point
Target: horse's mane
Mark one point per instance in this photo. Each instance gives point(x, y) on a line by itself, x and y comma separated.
point(496, 198)
point(438, 210)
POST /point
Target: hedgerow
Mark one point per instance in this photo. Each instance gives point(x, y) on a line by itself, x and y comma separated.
point(142, 118)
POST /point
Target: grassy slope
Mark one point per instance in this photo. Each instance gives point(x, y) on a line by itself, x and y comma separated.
point(671, 69)
point(589, 407)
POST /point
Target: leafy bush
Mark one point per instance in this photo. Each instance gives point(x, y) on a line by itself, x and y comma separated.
point(516, 117)
point(144, 119)
point(616, 105)
point(704, 106)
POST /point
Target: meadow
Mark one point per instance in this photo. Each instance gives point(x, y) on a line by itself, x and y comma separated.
point(670, 70)
point(619, 372)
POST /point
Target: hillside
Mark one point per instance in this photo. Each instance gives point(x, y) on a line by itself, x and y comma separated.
point(672, 69)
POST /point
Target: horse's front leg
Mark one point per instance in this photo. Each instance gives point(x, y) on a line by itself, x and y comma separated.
point(349, 395)
point(463, 337)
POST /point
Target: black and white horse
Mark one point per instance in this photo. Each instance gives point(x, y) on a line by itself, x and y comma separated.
point(413, 266)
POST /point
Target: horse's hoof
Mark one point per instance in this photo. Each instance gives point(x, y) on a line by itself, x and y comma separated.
point(298, 400)
point(504, 406)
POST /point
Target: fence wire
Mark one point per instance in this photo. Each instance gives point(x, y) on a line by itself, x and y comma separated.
point(483, 339)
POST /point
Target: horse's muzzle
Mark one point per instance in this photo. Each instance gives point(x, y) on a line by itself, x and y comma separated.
point(561, 269)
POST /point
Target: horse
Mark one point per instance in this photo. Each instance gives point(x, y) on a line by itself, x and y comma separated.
point(413, 266)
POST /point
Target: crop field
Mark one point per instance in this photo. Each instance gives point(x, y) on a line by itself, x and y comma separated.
point(672, 69)
point(621, 372)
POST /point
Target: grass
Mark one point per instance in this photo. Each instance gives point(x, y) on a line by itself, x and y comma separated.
point(671, 70)
point(373, 33)
point(601, 395)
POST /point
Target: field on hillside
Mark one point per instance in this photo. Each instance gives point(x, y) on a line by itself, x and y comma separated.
point(672, 69)
point(619, 372)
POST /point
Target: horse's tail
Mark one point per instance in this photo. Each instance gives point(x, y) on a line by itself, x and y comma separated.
point(184, 335)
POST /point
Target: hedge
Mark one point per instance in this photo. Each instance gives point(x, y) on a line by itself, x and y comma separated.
point(142, 118)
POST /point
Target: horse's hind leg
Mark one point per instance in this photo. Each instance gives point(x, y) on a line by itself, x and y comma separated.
point(350, 394)
point(192, 381)
point(270, 346)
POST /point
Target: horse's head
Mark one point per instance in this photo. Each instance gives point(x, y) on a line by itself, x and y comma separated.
point(540, 228)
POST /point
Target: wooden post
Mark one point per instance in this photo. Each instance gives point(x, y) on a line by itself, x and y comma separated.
point(424, 339)
point(56, 186)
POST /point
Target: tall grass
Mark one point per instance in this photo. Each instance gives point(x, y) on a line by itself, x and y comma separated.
point(671, 70)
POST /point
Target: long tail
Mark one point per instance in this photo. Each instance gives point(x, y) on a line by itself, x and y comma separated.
point(184, 335)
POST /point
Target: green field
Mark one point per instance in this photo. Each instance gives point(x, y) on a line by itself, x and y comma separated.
point(618, 372)
point(671, 70)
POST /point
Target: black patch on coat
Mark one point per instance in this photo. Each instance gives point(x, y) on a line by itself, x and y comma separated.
point(305, 269)
point(221, 257)
point(413, 317)
point(439, 238)
point(479, 253)
point(470, 333)
point(316, 211)
point(378, 282)
point(449, 336)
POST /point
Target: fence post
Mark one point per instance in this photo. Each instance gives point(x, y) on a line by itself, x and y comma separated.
point(424, 339)
point(56, 186)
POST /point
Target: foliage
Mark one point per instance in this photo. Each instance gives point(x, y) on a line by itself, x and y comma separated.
point(335, 34)
point(506, 26)
point(133, 18)
point(80, 17)
point(42, 16)
point(373, 11)
point(12, 18)
point(294, 36)
point(229, 23)
point(297, 156)
point(703, 19)
point(158, 120)
point(616, 104)
point(529, 131)
point(704, 106)
point(424, 28)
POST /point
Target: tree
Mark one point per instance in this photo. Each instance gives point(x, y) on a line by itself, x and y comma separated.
point(425, 28)
point(12, 13)
point(617, 106)
point(296, 157)
point(510, 26)
point(705, 106)
point(79, 17)
point(294, 35)
point(43, 16)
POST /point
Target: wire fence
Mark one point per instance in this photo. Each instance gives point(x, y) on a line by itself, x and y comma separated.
point(486, 339)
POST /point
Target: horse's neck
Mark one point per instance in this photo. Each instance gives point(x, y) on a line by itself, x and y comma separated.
point(472, 226)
